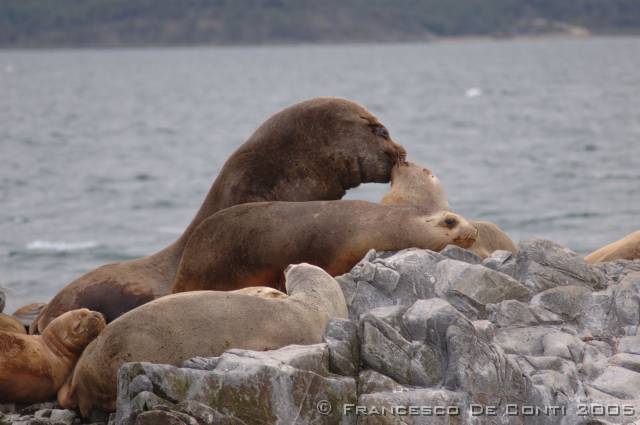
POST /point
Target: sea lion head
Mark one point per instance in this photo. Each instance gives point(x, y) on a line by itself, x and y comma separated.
point(358, 146)
point(452, 228)
point(413, 184)
point(75, 329)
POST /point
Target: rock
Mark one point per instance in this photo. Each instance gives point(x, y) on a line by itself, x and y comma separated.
point(364, 297)
point(526, 341)
point(455, 252)
point(3, 299)
point(429, 320)
point(441, 407)
point(470, 288)
point(385, 350)
point(501, 261)
point(629, 344)
point(618, 382)
point(615, 271)
point(485, 330)
point(627, 299)
point(563, 345)
point(566, 301)
point(342, 339)
point(249, 386)
point(370, 381)
point(156, 417)
point(627, 361)
point(415, 268)
point(511, 313)
point(542, 264)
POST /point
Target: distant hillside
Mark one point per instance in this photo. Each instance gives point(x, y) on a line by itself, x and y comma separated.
point(157, 22)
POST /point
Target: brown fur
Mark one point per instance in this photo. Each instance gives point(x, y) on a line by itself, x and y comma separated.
point(314, 150)
point(27, 314)
point(34, 367)
point(252, 244)
point(175, 328)
point(11, 324)
point(411, 184)
point(627, 248)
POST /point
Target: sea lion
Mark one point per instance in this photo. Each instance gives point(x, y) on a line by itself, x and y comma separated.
point(261, 291)
point(252, 244)
point(314, 150)
point(11, 324)
point(627, 248)
point(175, 328)
point(34, 367)
point(412, 184)
point(28, 313)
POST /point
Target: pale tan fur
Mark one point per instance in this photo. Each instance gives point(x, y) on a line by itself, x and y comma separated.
point(34, 367)
point(175, 328)
point(413, 184)
point(11, 324)
point(627, 248)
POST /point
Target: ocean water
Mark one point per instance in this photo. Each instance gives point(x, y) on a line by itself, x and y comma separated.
point(106, 155)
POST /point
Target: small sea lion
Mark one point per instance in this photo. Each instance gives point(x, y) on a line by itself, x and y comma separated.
point(412, 184)
point(27, 314)
point(314, 150)
point(11, 324)
point(252, 244)
point(627, 248)
point(175, 328)
point(34, 367)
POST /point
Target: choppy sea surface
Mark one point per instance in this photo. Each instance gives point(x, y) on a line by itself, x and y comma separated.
point(106, 155)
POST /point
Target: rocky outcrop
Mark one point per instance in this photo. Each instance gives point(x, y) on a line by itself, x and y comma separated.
point(539, 337)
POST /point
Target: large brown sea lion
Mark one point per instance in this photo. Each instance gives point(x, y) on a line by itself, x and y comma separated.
point(252, 244)
point(627, 248)
point(34, 367)
point(314, 150)
point(175, 328)
point(412, 184)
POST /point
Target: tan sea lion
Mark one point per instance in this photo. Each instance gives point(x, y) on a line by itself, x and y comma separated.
point(28, 313)
point(261, 291)
point(252, 244)
point(11, 324)
point(175, 328)
point(412, 184)
point(314, 150)
point(34, 367)
point(627, 248)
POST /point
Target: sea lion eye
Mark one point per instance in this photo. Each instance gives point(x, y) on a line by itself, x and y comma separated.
point(380, 131)
point(450, 222)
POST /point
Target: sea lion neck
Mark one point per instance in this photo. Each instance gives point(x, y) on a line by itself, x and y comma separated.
point(55, 344)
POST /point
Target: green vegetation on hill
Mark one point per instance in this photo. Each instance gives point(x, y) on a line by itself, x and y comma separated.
point(143, 22)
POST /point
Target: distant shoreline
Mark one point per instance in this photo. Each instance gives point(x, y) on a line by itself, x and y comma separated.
point(428, 40)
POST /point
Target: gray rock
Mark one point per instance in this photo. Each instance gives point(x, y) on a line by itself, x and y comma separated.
point(450, 405)
point(501, 261)
point(615, 271)
point(415, 268)
point(342, 339)
point(566, 301)
point(429, 320)
point(470, 288)
point(525, 341)
point(511, 313)
point(279, 387)
point(365, 298)
point(618, 382)
point(139, 384)
point(542, 264)
point(156, 417)
point(629, 344)
point(485, 330)
point(627, 299)
point(370, 381)
point(385, 350)
point(563, 345)
point(3, 299)
point(627, 361)
point(455, 252)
